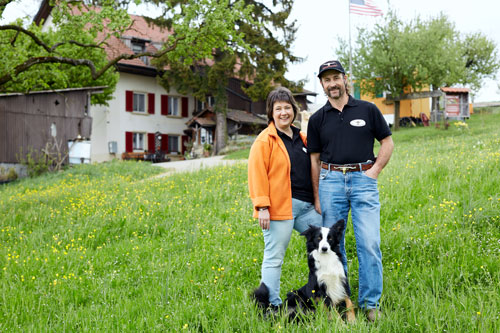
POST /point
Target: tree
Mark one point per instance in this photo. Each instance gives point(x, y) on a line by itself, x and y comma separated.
point(263, 63)
point(481, 59)
point(395, 56)
point(72, 54)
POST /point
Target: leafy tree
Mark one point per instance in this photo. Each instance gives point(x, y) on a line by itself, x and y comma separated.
point(268, 36)
point(481, 59)
point(72, 54)
point(398, 55)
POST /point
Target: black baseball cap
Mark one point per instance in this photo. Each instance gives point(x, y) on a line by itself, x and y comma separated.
point(330, 65)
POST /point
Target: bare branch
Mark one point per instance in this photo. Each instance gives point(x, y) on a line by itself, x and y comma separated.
point(34, 37)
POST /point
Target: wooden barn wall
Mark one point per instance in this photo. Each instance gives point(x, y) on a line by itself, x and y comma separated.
point(259, 107)
point(25, 122)
point(302, 102)
point(236, 102)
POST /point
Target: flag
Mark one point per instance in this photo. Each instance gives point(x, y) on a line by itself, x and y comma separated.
point(364, 7)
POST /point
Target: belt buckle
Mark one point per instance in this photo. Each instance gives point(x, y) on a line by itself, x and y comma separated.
point(345, 168)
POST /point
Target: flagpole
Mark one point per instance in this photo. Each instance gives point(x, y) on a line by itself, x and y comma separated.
point(351, 77)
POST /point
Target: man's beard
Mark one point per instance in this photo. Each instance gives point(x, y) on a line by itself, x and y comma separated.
point(329, 92)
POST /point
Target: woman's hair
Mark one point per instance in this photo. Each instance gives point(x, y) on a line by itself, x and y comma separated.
point(280, 94)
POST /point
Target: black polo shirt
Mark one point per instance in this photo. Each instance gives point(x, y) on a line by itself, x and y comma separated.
point(348, 136)
point(300, 173)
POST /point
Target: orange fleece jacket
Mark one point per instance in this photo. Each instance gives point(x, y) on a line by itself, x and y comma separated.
point(269, 181)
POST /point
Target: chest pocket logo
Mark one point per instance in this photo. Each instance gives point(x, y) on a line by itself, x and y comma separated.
point(358, 123)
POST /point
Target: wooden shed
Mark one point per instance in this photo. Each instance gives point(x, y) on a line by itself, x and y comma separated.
point(43, 119)
point(456, 103)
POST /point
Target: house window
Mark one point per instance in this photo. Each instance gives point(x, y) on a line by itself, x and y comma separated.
point(138, 141)
point(173, 144)
point(139, 102)
point(174, 106)
point(200, 105)
point(211, 101)
point(139, 47)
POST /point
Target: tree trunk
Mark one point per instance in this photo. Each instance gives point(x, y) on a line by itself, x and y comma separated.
point(220, 119)
point(220, 131)
point(396, 115)
point(434, 109)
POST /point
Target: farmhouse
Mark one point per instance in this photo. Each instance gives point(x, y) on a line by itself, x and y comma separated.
point(142, 116)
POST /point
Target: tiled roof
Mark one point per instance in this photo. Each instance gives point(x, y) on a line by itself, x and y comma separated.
point(139, 29)
point(455, 90)
point(144, 30)
point(151, 34)
point(205, 118)
point(244, 117)
point(207, 122)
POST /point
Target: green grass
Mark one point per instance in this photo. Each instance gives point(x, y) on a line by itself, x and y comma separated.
point(241, 154)
point(110, 248)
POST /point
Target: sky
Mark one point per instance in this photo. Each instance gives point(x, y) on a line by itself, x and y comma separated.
point(322, 22)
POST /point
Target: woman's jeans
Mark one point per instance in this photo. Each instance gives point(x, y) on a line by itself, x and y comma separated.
point(276, 241)
point(340, 192)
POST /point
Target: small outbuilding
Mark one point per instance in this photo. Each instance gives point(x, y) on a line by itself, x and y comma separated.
point(456, 103)
point(43, 122)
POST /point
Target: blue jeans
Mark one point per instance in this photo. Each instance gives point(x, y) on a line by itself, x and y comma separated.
point(339, 193)
point(276, 241)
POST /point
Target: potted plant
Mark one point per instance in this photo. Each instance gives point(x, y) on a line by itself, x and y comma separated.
point(207, 149)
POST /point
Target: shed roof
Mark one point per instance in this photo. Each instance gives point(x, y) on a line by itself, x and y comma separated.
point(94, 90)
point(454, 90)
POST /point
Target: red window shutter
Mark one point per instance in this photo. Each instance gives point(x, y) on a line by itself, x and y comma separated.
point(164, 143)
point(184, 140)
point(164, 105)
point(151, 142)
point(151, 103)
point(129, 145)
point(184, 106)
point(129, 101)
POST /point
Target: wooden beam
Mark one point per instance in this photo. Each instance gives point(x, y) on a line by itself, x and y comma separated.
point(415, 95)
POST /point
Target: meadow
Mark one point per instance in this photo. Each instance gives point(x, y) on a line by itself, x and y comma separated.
point(112, 248)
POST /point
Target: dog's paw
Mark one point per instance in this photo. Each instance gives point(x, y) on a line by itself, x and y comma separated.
point(350, 317)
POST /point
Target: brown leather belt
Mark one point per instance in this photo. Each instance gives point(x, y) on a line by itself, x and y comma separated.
point(346, 167)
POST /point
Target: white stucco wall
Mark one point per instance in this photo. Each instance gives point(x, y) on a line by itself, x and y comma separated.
point(109, 123)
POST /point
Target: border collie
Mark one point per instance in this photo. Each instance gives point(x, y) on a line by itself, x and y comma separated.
point(327, 281)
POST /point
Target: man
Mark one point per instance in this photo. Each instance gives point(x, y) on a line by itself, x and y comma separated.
point(344, 170)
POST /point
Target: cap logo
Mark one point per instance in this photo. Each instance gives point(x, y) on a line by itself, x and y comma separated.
point(330, 64)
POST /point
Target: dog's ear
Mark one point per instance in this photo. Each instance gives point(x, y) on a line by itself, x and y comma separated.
point(309, 232)
point(338, 228)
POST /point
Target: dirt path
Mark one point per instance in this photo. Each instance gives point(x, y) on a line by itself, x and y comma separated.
point(194, 165)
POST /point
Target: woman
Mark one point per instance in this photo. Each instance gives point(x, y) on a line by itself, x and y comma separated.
point(279, 181)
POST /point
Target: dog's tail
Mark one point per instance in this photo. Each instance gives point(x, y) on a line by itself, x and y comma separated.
point(261, 296)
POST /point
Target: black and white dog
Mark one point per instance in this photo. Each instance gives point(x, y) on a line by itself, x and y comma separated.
point(327, 281)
